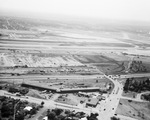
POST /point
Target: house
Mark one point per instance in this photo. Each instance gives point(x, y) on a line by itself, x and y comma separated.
point(92, 102)
point(28, 108)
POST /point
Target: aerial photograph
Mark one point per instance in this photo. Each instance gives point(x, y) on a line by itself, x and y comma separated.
point(74, 60)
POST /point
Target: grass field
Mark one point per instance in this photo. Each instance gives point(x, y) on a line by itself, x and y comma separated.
point(138, 110)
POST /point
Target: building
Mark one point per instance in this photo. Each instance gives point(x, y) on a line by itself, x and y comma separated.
point(65, 90)
point(100, 97)
point(83, 94)
point(92, 102)
point(28, 108)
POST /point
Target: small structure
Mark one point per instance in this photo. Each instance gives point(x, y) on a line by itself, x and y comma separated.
point(45, 118)
point(92, 102)
point(28, 108)
point(100, 97)
point(85, 118)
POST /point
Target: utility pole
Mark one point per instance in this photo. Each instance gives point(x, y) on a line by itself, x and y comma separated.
point(56, 105)
point(15, 109)
point(91, 110)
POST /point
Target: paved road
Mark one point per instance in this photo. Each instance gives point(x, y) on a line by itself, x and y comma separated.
point(112, 101)
point(52, 76)
point(135, 75)
point(134, 99)
point(73, 76)
point(107, 109)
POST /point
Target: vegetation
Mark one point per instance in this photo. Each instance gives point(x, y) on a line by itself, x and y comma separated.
point(22, 91)
point(137, 84)
point(137, 66)
point(42, 103)
point(137, 110)
point(60, 114)
point(114, 118)
point(92, 116)
point(10, 107)
point(146, 97)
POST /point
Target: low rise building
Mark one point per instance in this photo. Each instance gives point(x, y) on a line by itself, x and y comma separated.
point(92, 102)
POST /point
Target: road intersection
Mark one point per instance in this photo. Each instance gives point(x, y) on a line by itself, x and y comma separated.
point(106, 110)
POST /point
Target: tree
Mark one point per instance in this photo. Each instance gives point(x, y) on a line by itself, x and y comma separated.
point(58, 111)
point(126, 86)
point(92, 117)
point(24, 91)
point(48, 111)
point(20, 116)
point(51, 116)
point(33, 111)
point(13, 90)
point(10, 118)
point(61, 117)
point(42, 103)
point(7, 109)
point(114, 118)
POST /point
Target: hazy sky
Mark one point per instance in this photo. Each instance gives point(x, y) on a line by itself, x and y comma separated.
point(113, 9)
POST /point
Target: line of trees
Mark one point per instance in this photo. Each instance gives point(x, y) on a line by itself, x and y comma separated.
point(14, 89)
point(137, 66)
point(137, 85)
point(56, 114)
point(114, 118)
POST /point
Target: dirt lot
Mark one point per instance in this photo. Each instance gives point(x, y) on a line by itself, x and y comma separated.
point(138, 110)
point(32, 60)
point(110, 63)
point(66, 99)
point(69, 83)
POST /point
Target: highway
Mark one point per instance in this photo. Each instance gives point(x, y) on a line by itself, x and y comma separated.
point(52, 76)
point(135, 75)
point(37, 76)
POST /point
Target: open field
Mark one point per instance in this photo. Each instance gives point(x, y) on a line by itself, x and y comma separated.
point(110, 65)
point(33, 60)
point(138, 110)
